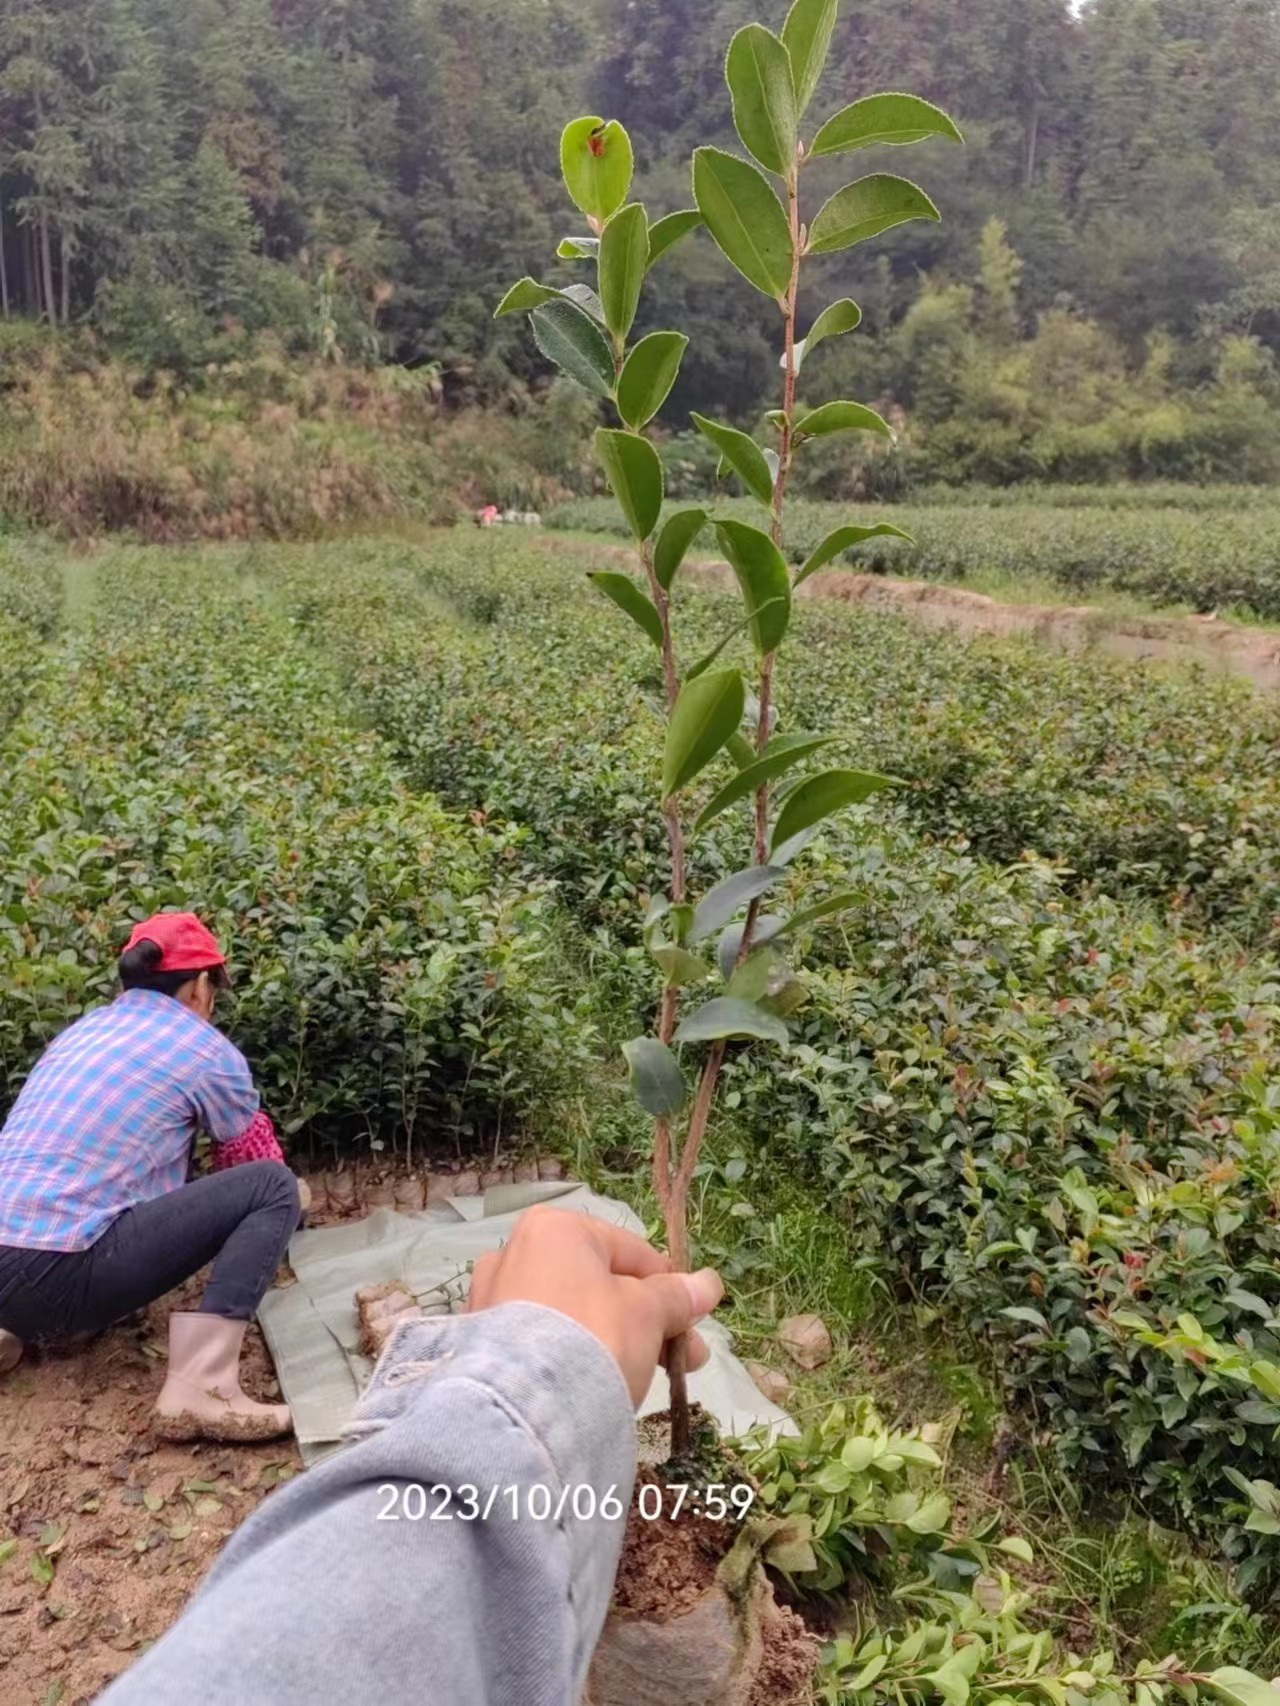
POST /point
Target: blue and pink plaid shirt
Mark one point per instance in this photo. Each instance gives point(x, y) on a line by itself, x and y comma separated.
point(108, 1117)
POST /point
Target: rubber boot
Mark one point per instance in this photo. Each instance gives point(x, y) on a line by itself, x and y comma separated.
point(10, 1351)
point(201, 1396)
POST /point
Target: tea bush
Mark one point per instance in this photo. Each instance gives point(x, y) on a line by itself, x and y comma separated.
point(1210, 558)
point(477, 656)
point(188, 750)
point(1017, 1098)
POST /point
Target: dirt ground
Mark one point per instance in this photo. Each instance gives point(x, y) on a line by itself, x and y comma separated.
point(105, 1530)
point(1253, 653)
point(109, 1530)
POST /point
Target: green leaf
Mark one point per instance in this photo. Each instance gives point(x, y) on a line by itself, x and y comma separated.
point(648, 375)
point(951, 1683)
point(807, 37)
point(889, 119)
point(746, 219)
point(665, 233)
point(579, 248)
point(842, 540)
point(865, 209)
point(842, 417)
point(635, 475)
point(728, 897)
point(7, 1550)
point(1023, 1312)
point(774, 763)
point(624, 259)
point(656, 1080)
point(758, 71)
point(597, 163)
point(726, 1019)
point(678, 534)
point(1079, 1347)
point(628, 597)
point(704, 663)
point(1017, 1547)
point(843, 316)
point(707, 712)
point(729, 946)
point(743, 455)
point(571, 338)
point(762, 574)
point(933, 1515)
point(867, 1675)
point(811, 801)
point(845, 901)
point(524, 297)
point(1238, 1687)
point(586, 298)
point(681, 967)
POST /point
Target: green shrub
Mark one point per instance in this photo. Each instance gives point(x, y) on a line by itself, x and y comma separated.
point(1209, 556)
point(189, 750)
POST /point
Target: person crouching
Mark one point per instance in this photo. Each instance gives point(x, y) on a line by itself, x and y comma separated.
point(97, 1218)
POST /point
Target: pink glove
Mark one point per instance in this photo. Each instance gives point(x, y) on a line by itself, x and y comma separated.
point(259, 1143)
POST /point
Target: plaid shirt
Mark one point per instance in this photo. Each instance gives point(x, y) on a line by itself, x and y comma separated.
point(108, 1117)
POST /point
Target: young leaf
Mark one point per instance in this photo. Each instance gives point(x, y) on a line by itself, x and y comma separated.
point(842, 417)
point(831, 791)
point(585, 298)
point(666, 232)
point(597, 163)
point(677, 535)
point(758, 71)
point(843, 316)
point(1016, 1547)
point(719, 904)
point(635, 475)
point(844, 539)
point(865, 209)
point(743, 455)
point(744, 215)
point(889, 119)
point(757, 774)
point(707, 712)
point(656, 1080)
point(807, 37)
point(648, 375)
point(762, 574)
point(628, 597)
point(523, 297)
point(681, 967)
point(726, 1018)
point(1235, 1687)
point(705, 662)
point(578, 248)
point(576, 344)
point(624, 259)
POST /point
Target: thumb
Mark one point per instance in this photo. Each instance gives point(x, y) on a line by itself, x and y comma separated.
point(681, 1300)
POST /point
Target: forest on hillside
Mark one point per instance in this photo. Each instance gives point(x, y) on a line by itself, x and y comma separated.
point(360, 182)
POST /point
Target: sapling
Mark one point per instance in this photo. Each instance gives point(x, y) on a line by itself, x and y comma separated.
point(724, 980)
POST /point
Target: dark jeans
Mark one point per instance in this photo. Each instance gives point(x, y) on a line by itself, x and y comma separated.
point(240, 1220)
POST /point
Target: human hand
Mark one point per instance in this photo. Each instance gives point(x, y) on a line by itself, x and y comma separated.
point(612, 1283)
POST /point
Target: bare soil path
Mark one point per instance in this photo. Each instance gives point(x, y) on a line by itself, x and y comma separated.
point(1207, 641)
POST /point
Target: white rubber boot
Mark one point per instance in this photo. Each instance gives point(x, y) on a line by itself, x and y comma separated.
point(10, 1351)
point(201, 1396)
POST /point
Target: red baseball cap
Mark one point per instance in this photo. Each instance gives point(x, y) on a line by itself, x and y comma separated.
point(184, 942)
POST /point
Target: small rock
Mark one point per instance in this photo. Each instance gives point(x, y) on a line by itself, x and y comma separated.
point(525, 1173)
point(771, 1382)
point(806, 1340)
point(551, 1168)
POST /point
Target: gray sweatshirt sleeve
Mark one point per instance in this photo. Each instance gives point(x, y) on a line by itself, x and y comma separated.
point(347, 1587)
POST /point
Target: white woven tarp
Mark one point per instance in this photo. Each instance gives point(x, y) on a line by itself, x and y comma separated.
point(313, 1331)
